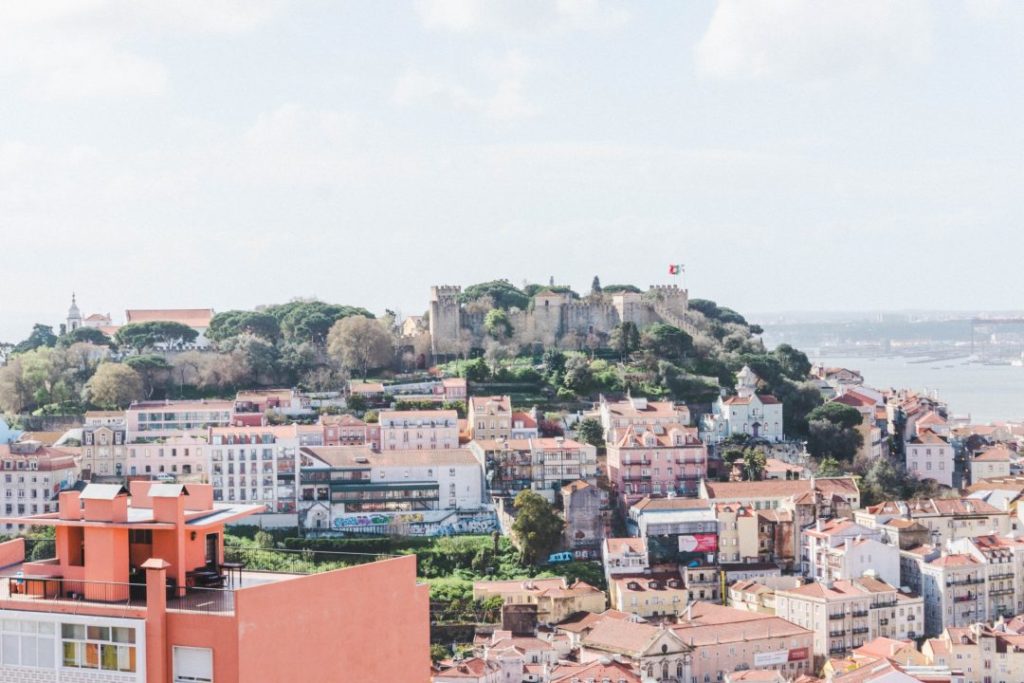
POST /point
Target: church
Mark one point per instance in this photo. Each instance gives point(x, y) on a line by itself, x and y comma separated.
point(757, 415)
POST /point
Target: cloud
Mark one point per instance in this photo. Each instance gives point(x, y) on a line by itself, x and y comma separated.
point(808, 40)
point(466, 16)
point(70, 49)
point(505, 97)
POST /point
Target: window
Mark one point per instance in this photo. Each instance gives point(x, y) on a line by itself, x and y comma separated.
point(27, 643)
point(193, 665)
point(110, 648)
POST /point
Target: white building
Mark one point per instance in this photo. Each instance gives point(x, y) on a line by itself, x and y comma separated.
point(260, 465)
point(846, 614)
point(946, 518)
point(857, 556)
point(153, 419)
point(626, 555)
point(757, 415)
point(990, 463)
point(826, 535)
point(930, 456)
point(182, 457)
point(417, 492)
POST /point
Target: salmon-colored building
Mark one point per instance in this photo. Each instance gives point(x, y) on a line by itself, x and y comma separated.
point(140, 590)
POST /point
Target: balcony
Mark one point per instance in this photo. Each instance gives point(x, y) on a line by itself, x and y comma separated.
point(965, 598)
point(836, 616)
point(860, 629)
point(41, 591)
point(632, 476)
point(1000, 577)
point(208, 590)
point(858, 614)
point(1001, 591)
point(837, 634)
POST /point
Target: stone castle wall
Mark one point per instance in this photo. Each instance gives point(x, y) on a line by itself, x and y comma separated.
point(551, 316)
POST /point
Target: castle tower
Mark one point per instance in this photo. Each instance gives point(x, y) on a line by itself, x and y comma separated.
point(74, 315)
point(445, 318)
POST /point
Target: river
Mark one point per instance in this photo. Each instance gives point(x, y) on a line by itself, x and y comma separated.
point(985, 392)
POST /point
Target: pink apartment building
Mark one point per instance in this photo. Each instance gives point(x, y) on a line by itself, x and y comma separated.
point(140, 590)
point(656, 461)
point(404, 430)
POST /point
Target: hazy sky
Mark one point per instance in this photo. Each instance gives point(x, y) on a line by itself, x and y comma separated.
point(794, 154)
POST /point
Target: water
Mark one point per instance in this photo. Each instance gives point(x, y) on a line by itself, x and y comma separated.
point(985, 392)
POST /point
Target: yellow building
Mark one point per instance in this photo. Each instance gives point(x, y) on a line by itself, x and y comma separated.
point(555, 598)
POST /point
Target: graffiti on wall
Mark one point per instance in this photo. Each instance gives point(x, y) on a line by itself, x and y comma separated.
point(347, 521)
point(417, 524)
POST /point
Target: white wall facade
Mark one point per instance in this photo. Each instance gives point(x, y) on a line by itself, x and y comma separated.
point(40, 647)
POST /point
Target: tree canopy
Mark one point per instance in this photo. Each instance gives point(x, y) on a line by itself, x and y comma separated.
point(713, 311)
point(537, 526)
point(148, 335)
point(41, 335)
point(88, 335)
point(359, 343)
point(666, 341)
point(497, 324)
point(311, 321)
point(233, 323)
point(590, 431)
point(503, 294)
point(115, 385)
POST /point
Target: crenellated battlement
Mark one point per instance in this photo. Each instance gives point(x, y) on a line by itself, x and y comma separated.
point(438, 291)
point(552, 315)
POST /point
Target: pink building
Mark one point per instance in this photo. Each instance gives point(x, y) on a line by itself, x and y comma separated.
point(404, 430)
point(349, 430)
point(656, 461)
point(454, 389)
point(139, 591)
point(639, 412)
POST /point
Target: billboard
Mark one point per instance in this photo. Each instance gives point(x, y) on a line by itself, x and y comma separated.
point(780, 656)
point(771, 658)
point(698, 543)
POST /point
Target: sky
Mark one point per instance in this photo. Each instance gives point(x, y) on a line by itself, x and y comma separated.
point(793, 154)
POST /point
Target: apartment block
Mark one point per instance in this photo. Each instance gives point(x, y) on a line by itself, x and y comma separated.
point(947, 519)
point(140, 590)
point(175, 418)
point(616, 416)
point(33, 474)
point(846, 614)
point(656, 460)
point(543, 465)
point(403, 430)
point(260, 465)
point(411, 492)
point(489, 417)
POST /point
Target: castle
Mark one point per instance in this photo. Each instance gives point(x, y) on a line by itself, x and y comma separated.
point(553, 317)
